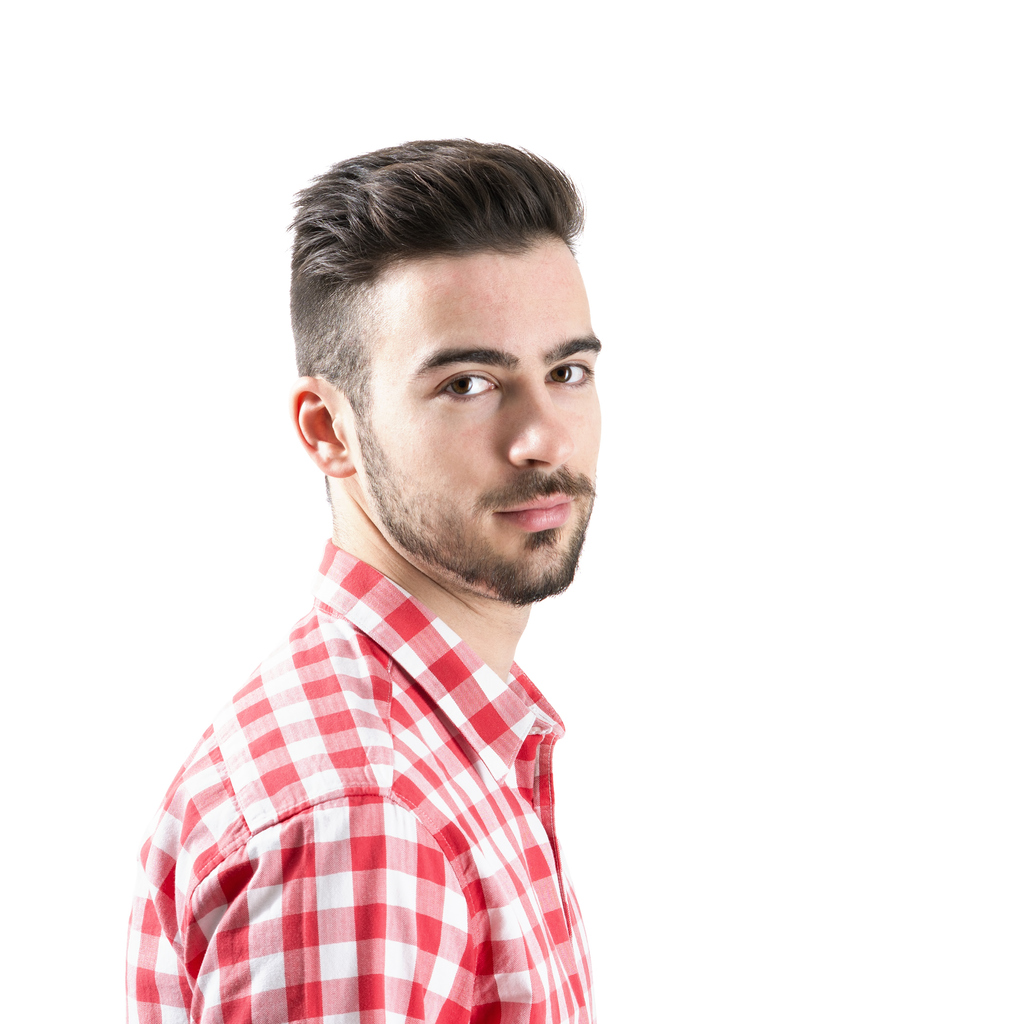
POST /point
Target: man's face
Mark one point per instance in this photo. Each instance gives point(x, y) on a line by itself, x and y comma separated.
point(480, 447)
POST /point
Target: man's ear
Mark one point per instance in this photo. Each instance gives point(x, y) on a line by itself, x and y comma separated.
point(325, 424)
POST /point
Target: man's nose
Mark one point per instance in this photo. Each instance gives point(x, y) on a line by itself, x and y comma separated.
point(542, 434)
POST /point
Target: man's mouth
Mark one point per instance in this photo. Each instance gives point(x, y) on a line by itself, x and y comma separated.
point(547, 512)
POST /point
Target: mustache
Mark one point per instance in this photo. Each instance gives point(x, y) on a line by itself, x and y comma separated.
point(536, 484)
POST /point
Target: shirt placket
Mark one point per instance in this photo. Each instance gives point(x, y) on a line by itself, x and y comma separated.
point(543, 802)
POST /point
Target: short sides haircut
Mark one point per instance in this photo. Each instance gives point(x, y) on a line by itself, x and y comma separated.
point(451, 197)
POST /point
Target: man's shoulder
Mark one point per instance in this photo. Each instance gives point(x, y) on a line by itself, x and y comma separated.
point(312, 724)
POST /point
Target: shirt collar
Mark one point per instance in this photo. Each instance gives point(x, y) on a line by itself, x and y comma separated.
point(494, 717)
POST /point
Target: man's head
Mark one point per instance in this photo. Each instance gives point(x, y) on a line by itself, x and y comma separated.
point(451, 197)
point(443, 331)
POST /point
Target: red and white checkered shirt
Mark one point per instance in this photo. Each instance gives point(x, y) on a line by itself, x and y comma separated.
point(365, 834)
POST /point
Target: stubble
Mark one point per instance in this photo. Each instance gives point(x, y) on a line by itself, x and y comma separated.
point(434, 533)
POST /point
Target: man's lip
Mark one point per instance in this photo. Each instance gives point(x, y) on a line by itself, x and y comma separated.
point(547, 513)
point(547, 501)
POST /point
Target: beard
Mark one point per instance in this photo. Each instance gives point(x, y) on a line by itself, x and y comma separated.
point(427, 526)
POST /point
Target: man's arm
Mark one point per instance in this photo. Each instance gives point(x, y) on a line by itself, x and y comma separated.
point(348, 908)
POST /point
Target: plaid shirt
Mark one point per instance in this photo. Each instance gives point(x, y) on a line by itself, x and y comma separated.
point(365, 834)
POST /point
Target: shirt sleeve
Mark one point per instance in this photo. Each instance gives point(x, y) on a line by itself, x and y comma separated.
point(347, 912)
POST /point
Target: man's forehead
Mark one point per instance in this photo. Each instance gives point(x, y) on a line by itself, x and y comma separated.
point(491, 296)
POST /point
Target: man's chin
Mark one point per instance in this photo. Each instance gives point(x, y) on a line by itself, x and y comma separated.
point(545, 567)
point(518, 570)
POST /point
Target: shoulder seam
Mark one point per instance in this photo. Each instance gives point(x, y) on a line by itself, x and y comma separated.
point(383, 797)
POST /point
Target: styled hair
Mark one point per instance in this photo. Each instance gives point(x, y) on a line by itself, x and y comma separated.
point(451, 197)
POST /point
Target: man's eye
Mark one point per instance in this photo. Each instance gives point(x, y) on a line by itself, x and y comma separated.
point(469, 385)
point(570, 374)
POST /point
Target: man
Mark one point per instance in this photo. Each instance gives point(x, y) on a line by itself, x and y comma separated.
point(366, 833)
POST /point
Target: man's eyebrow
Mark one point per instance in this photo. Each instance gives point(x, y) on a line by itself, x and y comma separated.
point(570, 348)
point(484, 356)
point(496, 357)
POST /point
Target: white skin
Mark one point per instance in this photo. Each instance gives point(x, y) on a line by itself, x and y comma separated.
point(467, 428)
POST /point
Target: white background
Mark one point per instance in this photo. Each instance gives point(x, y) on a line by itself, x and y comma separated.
point(791, 665)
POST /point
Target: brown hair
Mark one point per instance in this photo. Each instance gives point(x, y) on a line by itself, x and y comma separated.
point(449, 197)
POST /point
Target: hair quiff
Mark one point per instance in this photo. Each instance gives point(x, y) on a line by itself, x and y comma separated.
point(452, 197)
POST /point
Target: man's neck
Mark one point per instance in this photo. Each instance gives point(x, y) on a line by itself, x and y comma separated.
point(491, 628)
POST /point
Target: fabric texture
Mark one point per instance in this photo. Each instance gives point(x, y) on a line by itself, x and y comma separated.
point(365, 834)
